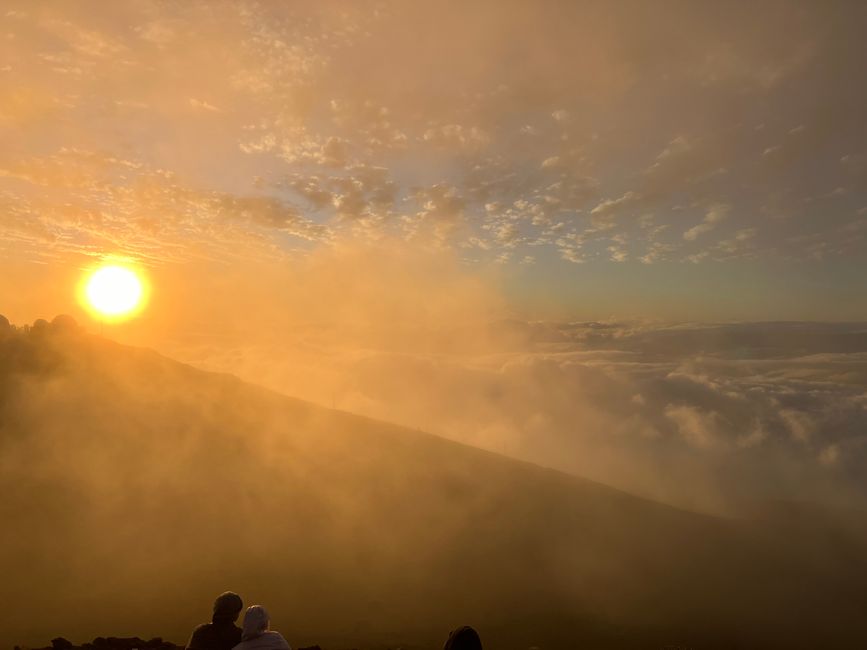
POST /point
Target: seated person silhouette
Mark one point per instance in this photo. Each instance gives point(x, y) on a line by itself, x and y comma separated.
point(257, 635)
point(221, 633)
point(463, 638)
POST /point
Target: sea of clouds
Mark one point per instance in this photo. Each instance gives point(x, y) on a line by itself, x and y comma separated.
point(707, 416)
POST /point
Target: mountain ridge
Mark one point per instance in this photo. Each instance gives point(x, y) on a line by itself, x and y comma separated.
point(162, 485)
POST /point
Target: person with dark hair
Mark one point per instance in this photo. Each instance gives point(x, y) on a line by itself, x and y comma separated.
point(221, 633)
point(463, 638)
point(257, 634)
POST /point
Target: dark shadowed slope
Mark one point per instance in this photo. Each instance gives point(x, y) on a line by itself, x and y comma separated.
point(135, 489)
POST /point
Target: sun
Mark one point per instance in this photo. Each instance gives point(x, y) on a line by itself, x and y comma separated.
point(113, 292)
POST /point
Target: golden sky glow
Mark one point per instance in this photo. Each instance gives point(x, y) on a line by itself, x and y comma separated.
point(622, 239)
point(602, 158)
point(496, 206)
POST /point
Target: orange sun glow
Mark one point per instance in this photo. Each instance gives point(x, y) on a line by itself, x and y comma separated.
point(113, 292)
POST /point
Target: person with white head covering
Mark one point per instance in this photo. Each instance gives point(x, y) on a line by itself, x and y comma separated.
point(256, 633)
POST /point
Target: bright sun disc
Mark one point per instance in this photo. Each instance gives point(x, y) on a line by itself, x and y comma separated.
point(114, 291)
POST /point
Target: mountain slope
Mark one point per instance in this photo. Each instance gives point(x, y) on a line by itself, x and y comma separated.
point(136, 488)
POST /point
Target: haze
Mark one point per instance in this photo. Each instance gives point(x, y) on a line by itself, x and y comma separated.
point(624, 241)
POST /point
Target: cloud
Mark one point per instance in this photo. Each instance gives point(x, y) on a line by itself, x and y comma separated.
point(696, 427)
point(501, 145)
point(111, 204)
point(253, 95)
point(610, 205)
point(695, 415)
point(203, 105)
point(456, 136)
point(715, 214)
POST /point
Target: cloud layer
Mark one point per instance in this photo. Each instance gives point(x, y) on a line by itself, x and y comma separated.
point(705, 416)
point(336, 199)
point(569, 133)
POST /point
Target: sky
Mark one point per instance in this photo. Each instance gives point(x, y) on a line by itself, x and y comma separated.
point(571, 232)
point(675, 160)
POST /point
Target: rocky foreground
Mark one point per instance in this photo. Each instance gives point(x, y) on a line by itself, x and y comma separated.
point(120, 643)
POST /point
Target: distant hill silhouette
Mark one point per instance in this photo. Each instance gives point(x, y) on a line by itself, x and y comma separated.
point(136, 488)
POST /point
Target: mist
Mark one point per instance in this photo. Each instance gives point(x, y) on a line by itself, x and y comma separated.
point(138, 487)
point(544, 318)
point(708, 416)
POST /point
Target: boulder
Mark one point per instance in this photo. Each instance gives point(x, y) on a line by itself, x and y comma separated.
point(64, 324)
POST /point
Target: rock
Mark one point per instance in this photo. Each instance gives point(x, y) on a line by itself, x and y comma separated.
point(64, 324)
point(39, 327)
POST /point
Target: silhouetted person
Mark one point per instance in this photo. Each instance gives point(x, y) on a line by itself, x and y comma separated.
point(221, 633)
point(463, 638)
point(257, 635)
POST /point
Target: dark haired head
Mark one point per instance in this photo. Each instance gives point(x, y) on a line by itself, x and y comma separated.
point(227, 607)
point(463, 638)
